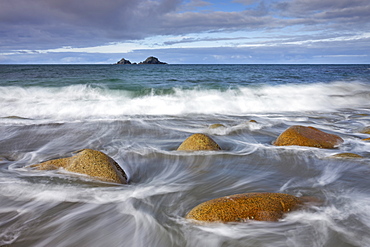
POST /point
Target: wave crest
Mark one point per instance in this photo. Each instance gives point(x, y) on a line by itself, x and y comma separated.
point(87, 101)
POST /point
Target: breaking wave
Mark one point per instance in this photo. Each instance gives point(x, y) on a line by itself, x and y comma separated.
point(88, 101)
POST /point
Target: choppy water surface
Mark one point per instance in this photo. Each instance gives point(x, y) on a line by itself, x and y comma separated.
point(139, 115)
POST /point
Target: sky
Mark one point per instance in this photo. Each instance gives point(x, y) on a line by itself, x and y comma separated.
point(185, 31)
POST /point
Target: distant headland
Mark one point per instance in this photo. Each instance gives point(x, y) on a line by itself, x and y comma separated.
point(149, 60)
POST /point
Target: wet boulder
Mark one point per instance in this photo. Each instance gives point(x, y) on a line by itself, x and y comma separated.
point(347, 156)
point(199, 142)
point(215, 126)
point(243, 207)
point(307, 136)
point(89, 162)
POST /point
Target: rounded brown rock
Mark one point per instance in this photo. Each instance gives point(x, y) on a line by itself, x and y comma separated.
point(243, 207)
point(307, 136)
point(198, 142)
point(215, 126)
point(89, 162)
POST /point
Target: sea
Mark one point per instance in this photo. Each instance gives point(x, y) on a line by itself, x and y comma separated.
point(139, 115)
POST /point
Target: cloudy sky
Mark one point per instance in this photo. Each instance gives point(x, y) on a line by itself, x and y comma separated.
point(185, 31)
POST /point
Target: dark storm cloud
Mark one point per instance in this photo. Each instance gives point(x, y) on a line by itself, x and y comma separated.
point(55, 23)
point(305, 7)
point(348, 11)
point(52, 23)
point(192, 22)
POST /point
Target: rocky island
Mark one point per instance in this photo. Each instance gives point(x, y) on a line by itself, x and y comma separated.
point(123, 61)
point(149, 60)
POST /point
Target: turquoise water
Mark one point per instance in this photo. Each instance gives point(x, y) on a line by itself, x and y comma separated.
point(140, 114)
point(168, 76)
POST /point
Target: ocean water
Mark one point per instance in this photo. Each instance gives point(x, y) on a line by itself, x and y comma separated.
point(140, 114)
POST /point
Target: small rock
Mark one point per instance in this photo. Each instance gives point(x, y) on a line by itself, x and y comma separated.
point(243, 207)
point(215, 126)
point(366, 139)
point(198, 142)
point(16, 117)
point(347, 156)
point(365, 130)
point(307, 136)
point(89, 162)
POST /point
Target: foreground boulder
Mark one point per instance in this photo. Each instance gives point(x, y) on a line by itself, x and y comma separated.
point(307, 136)
point(243, 207)
point(199, 142)
point(89, 162)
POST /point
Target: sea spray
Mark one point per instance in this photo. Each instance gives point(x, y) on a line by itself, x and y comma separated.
point(79, 102)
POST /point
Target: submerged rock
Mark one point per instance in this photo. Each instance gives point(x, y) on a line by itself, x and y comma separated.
point(307, 136)
point(243, 207)
point(366, 139)
point(365, 130)
point(347, 156)
point(89, 162)
point(198, 142)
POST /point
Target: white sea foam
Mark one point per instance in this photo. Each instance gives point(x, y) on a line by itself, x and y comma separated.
point(84, 101)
